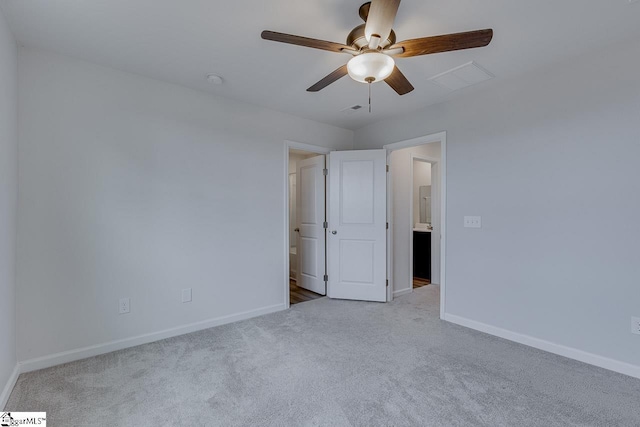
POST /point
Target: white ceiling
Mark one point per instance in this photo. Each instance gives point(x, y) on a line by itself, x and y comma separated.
point(181, 41)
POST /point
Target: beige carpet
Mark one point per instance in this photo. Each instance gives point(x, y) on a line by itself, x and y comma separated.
point(332, 363)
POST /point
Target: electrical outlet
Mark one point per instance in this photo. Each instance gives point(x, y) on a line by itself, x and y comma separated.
point(635, 325)
point(472, 222)
point(186, 295)
point(123, 308)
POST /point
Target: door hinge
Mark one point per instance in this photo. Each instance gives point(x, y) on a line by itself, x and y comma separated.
point(387, 283)
point(387, 226)
point(325, 224)
point(387, 168)
point(326, 278)
point(325, 172)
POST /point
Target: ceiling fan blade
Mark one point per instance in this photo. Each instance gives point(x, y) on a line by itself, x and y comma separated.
point(334, 76)
point(399, 82)
point(305, 41)
point(445, 43)
point(382, 13)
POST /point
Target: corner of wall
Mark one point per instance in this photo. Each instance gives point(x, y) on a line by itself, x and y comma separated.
point(8, 388)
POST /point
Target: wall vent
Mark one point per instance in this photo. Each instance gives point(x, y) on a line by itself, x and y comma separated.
point(460, 77)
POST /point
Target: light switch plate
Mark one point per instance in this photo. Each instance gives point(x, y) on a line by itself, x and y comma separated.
point(186, 295)
point(635, 325)
point(472, 222)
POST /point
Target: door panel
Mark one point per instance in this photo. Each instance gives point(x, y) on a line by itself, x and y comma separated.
point(309, 257)
point(357, 250)
point(310, 206)
point(357, 192)
point(357, 261)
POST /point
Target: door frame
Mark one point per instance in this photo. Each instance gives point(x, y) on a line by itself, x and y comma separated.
point(440, 137)
point(287, 244)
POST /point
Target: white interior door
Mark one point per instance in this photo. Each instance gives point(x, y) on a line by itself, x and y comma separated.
point(310, 206)
point(357, 245)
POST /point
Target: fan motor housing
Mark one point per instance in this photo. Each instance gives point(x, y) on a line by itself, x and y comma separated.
point(357, 40)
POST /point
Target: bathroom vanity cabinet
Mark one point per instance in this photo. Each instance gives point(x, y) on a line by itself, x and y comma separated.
point(422, 254)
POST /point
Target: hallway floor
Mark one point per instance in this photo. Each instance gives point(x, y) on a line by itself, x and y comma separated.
point(418, 282)
point(298, 294)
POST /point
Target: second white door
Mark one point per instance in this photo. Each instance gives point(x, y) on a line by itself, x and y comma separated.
point(310, 207)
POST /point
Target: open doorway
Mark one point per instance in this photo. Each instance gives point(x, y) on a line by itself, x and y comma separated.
point(424, 250)
point(341, 244)
point(422, 220)
point(416, 212)
point(306, 217)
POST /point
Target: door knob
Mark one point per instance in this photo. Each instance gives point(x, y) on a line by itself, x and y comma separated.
point(334, 232)
point(297, 230)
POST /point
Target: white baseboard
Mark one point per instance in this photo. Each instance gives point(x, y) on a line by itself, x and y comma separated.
point(402, 292)
point(8, 388)
point(569, 352)
point(95, 350)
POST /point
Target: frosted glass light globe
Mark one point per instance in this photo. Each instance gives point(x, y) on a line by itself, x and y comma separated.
point(370, 65)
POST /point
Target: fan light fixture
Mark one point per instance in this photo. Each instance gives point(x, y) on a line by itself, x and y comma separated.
point(370, 67)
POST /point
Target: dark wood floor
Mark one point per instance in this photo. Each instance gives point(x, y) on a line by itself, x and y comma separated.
point(418, 282)
point(298, 294)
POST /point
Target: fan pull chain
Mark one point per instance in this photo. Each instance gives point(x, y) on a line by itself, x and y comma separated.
point(369, 80)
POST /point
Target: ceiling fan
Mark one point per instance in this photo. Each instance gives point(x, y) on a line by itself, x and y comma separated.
point(373, 46)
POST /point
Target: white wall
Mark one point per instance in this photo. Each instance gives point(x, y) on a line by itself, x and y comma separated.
point(558, 257)
point(132, 187)
point(421, 177)
point(402, 226)
point(8, 205)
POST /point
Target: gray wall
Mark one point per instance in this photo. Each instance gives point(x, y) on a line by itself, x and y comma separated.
point(558, 257)
point(8, 202)
point(131, 187)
